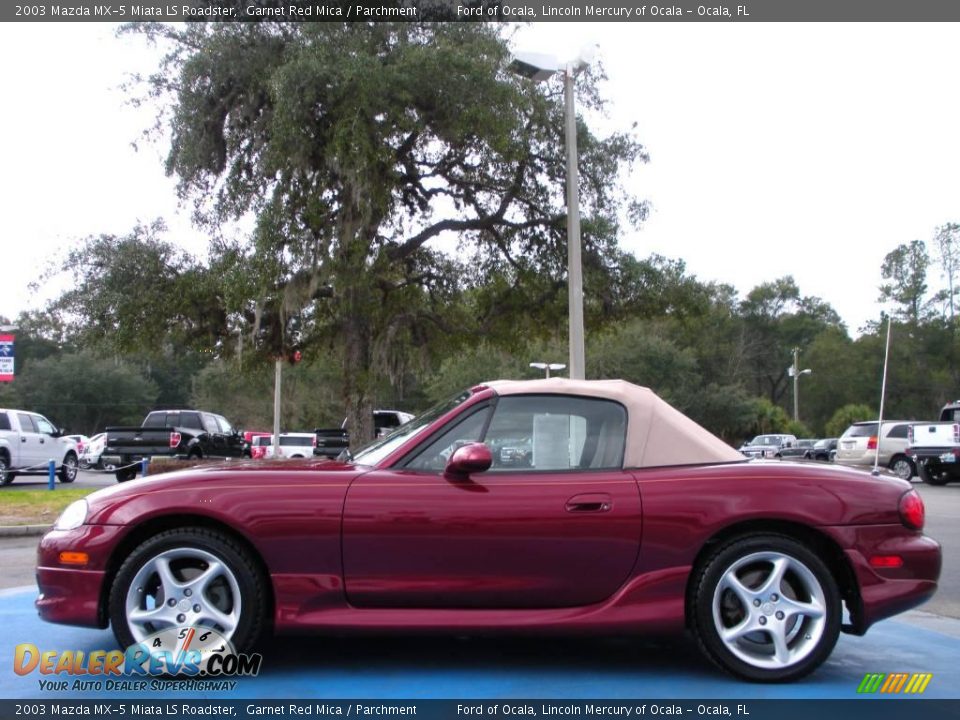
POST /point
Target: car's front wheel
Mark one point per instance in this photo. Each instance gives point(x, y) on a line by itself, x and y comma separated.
point(6, 477)
point(766, 609)
point(189, 577)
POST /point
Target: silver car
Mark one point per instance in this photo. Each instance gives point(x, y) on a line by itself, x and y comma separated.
point(859, 445)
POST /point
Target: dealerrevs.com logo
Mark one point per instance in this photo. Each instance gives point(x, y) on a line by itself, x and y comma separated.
point(177, 658)
point(895, 683)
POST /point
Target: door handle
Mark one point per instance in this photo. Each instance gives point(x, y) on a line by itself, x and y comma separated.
point(23, 439)
point(590, 503)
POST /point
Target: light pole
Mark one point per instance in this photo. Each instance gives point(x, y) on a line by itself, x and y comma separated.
point(547, 367)
point(795, 373)
point(539, 67)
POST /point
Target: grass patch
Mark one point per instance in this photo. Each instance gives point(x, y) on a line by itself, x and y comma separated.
point(36, 507)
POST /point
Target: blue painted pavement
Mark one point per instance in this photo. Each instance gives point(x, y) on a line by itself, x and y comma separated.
point(390, 667)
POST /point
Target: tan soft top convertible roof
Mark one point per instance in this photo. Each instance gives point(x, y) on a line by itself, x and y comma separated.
point(657, 433)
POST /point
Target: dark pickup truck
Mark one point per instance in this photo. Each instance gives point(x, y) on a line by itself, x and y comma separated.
point(333, 441)
point(189, 434)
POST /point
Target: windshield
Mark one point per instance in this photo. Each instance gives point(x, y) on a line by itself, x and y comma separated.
point(377, 450)
point(766, 440)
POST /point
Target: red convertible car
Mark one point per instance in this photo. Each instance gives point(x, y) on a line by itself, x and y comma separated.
point(539, 506)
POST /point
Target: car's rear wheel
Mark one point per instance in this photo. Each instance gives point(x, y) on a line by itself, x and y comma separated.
point(903, 467)
point(931, 478)
point(68, 471)
point(189, 577)
point(766, 609)
point(126, 474)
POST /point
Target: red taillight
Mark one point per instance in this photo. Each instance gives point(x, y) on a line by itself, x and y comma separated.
point(314, 441)
point(910, 434)
point(872, 443)
point(174, 439)
point(912, 512)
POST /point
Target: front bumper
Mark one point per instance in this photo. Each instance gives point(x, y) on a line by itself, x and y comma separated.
point(71, 594)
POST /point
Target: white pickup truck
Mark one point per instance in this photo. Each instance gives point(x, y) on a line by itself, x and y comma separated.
point(28, 442)
point(935, 447)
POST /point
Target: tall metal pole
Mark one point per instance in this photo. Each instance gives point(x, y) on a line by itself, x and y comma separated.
point(796, 386)
point(574, 274)
point(883, 396)
point(276, 407)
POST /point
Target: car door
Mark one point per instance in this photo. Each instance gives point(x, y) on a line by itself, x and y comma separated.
point(32, 443)
point(555, 522)
point(233, 441)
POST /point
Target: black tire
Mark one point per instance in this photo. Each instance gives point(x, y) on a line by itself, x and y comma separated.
point(126, 474)
point(902, 466)
point(6, 477)
point(931, 478)
point(68, 470)
point(195, 454)
point(84, 464)
point(196, 544)
point(806, 583)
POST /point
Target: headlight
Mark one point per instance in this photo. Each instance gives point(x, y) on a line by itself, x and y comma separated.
point(73, 516)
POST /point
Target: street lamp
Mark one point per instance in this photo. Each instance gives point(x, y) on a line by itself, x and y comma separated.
point(539, 67)
point(795, 373)
point(547, 367)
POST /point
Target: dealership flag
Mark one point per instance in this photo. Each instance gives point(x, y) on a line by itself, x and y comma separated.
point(6, 358)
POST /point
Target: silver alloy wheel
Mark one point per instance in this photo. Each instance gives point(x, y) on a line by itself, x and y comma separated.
point(902, 469)
point(70, 468)
point(769, 610)
point(3, 470)
point(180, 587)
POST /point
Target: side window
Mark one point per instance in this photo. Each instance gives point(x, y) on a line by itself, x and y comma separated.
point(26, 423)
point(225, 427)
point(556, 432)
point(898, 431)
point(434, 457)
point(44, 425)
point(191, 420)
point(210, 424)
point(4, 421)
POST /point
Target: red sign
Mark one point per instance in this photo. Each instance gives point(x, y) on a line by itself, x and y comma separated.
point(6, 358)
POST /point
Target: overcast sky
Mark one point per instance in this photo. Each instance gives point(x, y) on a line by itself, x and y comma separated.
point(803, 149)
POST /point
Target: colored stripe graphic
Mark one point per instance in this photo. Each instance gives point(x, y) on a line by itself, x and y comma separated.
point(893, 683)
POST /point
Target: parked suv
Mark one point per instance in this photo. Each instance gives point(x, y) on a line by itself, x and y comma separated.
point(859, 445)
point(768, 446)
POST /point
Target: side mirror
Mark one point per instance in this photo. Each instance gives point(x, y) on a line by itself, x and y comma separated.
point(471, 458)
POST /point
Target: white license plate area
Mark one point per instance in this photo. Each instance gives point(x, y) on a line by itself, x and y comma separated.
point(948, 458)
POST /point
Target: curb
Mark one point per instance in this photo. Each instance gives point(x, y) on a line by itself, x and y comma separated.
point(23, 530)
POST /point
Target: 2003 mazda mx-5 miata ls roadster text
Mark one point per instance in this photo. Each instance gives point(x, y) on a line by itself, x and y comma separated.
point(537, 506)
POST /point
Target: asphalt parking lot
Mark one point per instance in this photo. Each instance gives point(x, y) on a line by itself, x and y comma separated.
point(924, 641)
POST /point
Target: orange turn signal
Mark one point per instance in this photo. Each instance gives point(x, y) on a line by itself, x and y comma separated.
point(886, 561)
point(74, 558)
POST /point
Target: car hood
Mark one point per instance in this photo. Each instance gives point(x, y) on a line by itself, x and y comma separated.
point(258, 473)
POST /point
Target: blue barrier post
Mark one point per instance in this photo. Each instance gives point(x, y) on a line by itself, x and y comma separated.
point(143, 466)
point(53, 471)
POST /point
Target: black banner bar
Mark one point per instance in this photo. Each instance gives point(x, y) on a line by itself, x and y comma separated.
point(483, 10)
point(876, 708)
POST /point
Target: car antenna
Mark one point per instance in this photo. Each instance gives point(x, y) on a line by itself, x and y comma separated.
point(883, 394)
